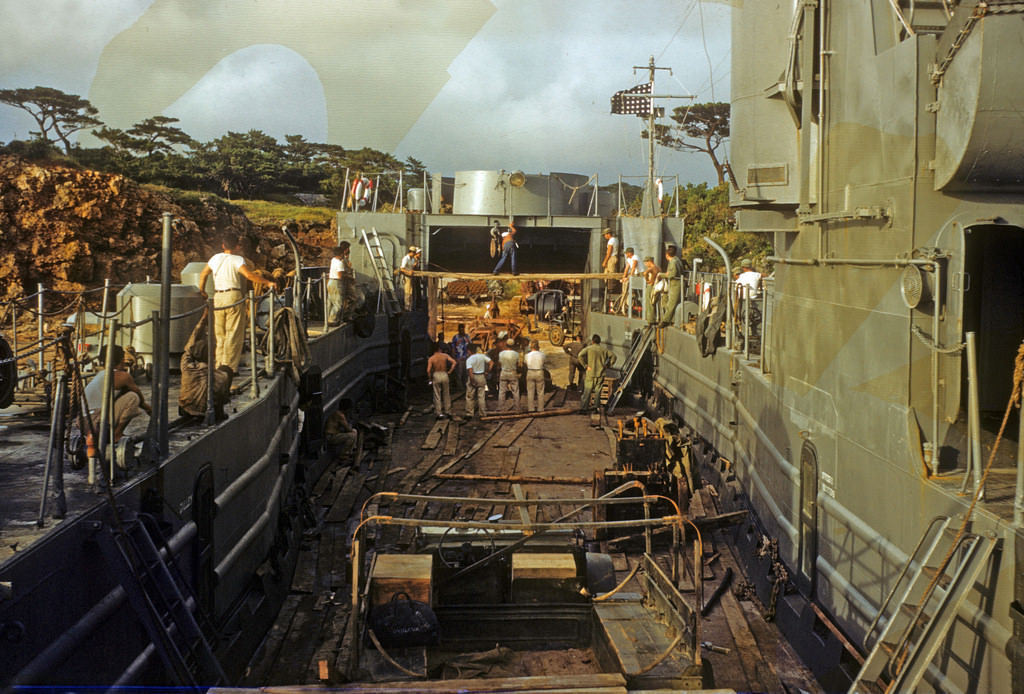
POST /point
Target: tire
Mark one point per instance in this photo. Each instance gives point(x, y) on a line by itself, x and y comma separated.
point(556, 335)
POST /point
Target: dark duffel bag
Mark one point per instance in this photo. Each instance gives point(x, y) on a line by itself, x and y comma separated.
point(403, 623)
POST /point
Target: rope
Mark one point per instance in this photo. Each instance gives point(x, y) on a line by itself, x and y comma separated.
point(24, 355)
point(1018, 376)
point(931, 344)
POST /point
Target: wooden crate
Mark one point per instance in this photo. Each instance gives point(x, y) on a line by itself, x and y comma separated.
point(401, 573)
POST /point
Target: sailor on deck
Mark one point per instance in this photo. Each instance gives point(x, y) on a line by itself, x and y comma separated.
point(228, 268)
point(595, 360)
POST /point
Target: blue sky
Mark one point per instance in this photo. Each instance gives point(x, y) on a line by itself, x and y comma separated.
point(458, 84)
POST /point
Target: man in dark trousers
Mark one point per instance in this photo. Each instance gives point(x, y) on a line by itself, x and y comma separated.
point(595, 359)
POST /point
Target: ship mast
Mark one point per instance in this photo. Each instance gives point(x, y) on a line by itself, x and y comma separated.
point(639, 101)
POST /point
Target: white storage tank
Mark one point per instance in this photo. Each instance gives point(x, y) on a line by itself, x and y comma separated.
point(516, 193)
point(138, 301)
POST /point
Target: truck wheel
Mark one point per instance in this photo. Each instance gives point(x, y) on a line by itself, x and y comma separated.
point(556, 335)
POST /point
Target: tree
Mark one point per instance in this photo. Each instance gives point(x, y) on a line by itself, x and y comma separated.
point(59, 115)
point(708, 123)
point(246, 163)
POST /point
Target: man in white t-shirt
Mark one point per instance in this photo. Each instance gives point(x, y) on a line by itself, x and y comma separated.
point(632, 267)
point(610, 263)
point(477, 367)
point(409, 262)
point(228, 268)
point(748, 282)
point(535, 378)
point(509, 379)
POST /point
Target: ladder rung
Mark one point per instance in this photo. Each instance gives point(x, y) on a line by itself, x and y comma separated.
point(943, 578)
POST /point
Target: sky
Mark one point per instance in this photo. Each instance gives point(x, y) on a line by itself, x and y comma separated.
point(457, 84)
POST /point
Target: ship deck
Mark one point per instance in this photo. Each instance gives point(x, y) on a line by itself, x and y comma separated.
point(492, 460)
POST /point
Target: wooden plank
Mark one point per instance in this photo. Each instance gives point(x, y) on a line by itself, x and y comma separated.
point(342, 508)
point(558, 400)
point(526, 479)
point(452, 443)
point(405, 416)
point(524, 511)
point(509, 436)
point(509, 463)
point(522, 277)
point(434, 435)
point(746, 645)
point(469, 454)
point(321, 667)
point(587, 682)
point(300, 643)
point(528, 415)
point(266, 657)
point(408, 532)
point(419, 471)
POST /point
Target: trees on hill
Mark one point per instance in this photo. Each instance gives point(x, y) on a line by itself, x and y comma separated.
point(58, 115)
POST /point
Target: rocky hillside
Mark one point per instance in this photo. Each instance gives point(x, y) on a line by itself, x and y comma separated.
point(70, 229)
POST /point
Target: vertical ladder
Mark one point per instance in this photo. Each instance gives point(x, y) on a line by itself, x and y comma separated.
point(160, 603)
point(629, 368)
point(920, 621)
point(382, 269)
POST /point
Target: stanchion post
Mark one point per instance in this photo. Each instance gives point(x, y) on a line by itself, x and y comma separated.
point(270, 340)
point(323, 293)
point(254, 389)
point(156, 399)
point(164, 343)
point(103, 319)
point(211, 357)
point(14, 342)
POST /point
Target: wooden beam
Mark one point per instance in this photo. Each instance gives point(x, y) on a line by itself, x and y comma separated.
point(528, 479)
point(523, 415)
point(523, 276)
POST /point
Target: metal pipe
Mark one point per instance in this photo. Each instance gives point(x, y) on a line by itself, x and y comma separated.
point(211, 357)
point(268, 362)
point(14, 342)
point(156, 402)
point(376, 191)
point(165, 332)
point(55, 442)
point(973, 413)
point(728, 279)
point(105, 408)
point(746, 321)
point(103, 318)
point(880, 262)
point(806, 103)
point(323, 295)
point(935, 372)
point(254, 388)
point(40, 290)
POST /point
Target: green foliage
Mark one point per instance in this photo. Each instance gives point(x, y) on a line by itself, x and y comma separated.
point(707, 127)
point(58, 115)
point(707, 213)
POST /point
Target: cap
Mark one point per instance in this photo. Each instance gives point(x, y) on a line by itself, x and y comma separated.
point(414, 249)
point(746, 262)
point(606, 230)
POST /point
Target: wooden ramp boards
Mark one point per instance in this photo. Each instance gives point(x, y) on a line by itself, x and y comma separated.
point(636, 642)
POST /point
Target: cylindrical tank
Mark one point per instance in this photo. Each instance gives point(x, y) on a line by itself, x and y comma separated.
point(138, 302)
point(415, 200)
point(504, 193)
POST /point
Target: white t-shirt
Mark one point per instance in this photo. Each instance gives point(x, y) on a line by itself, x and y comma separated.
point(509, 359)
point(613, 246)
point(477, 363)
point(225, 268)
point(633, 265)
point(337, 267)
point(749, 279)
point(535, 360)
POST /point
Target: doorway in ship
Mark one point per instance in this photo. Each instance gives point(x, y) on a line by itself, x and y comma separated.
point(994, 311)
point(541, 249)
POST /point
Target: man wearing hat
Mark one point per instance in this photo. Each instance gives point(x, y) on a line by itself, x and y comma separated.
point(749, 280)
point(409, 262)
point(651, 307)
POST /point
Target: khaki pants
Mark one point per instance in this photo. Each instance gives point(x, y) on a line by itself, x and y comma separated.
point(229, 328)
point(535, 390)
point(126, 408)
point(505, 384)
point(476, 394)
point(442, 393)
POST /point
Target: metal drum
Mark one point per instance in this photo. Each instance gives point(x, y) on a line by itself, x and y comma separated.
point(415, 200)
point(138, 302)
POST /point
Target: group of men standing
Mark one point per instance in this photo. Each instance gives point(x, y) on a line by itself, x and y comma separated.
point(471, 365)
point(663, 288)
